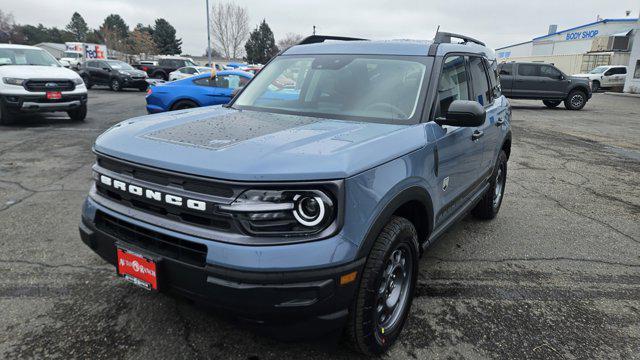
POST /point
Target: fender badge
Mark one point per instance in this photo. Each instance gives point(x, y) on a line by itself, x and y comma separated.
point(445, 184)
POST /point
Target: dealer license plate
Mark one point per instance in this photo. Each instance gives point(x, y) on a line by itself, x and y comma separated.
point(54, 95)
point(137, 269)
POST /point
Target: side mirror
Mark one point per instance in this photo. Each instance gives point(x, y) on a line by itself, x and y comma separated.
point(464, 113)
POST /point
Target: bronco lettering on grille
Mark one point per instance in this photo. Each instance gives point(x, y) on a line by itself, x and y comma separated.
point(170, 199)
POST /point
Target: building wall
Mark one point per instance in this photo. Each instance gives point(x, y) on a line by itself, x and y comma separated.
point(523, 49)
point(632, 84)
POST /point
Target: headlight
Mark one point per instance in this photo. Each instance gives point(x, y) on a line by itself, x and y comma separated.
point(13, 81)
point(283, 212)
point(78, 81)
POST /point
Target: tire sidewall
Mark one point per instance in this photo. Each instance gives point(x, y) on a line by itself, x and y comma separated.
point(406, 238)
point(569, 105)
point(502, 161)
point(595, 86)
point(113, 82)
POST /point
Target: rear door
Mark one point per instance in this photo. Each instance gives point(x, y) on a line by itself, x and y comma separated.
point(527, 81)
point(614, 76)
point(506, 71)
point(459, 156)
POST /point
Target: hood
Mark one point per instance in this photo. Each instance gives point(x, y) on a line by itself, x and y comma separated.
point(37, 72)
point(585, 76)
point(257, 146)
point(578, 78)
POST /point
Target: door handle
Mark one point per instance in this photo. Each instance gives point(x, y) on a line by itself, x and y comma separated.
point(477, 135)
point(500, 122)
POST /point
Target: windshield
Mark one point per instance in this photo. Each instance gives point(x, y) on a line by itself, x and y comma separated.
point(598, 70)
point(120, 65)
point(203, 69)
point(71, 54)
point(359, 87)
point(26, 57)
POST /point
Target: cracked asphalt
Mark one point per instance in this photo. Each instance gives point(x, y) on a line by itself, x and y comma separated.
point(555, 276)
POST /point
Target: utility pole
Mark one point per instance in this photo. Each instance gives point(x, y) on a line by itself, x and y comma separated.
point(208, 36)
point(314, 28)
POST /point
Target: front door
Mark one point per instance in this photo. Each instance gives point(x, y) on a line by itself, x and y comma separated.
point(459, 155)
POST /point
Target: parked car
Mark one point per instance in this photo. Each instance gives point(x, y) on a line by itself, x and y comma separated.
point(252, 69)
point(196, 91)
point(31, 80)
point(188, 71)
point(538, 81)
point(608, 76)
point(308, 207)
point(165, 67)
point(148, 62)
point(116, 74)
point(235, 65)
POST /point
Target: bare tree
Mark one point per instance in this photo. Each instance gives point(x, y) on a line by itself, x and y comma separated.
point(6, 25)
point(229, 28)
point(289, 40)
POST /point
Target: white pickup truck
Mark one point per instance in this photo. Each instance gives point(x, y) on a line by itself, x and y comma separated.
point(606, 76)
point(31, 80)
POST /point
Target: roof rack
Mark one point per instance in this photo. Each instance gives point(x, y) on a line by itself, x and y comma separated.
point(445, 37)
point(315, 39)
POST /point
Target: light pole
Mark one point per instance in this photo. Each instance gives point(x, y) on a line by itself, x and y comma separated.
point(208, 36)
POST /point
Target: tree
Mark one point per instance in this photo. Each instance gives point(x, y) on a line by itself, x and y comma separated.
point(141, 42)
point(7, 26)
point(289, 40)
point(164, 35)
point(230, 29)
point(114, 31)
point(261, 46)
point(78, 27)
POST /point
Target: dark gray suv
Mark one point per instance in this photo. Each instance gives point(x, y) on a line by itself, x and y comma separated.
point(538, 81)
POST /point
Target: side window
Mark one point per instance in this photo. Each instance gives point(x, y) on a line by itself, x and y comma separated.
point(481, 92)
point(205, 81)
point(550, 72)
point(622, 71)
point(189, 70)
point(103, 65)
point(610, 72)
point(494, 82)
point(528, 70)
point(91, 64)
point(506, 69)
point(243, 81)
point(453, 84)
point(226, 81)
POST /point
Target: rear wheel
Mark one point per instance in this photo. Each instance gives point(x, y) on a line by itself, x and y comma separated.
point(87, 81)
point(576, 100)
point(184, 104)
point(489, 206)
point(6, 117)
point(115, 85)
point(159, 76)
point(551, 103)
point(78, 114)
point(386, 287)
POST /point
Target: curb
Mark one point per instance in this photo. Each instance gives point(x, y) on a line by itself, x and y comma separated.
point(622, 94)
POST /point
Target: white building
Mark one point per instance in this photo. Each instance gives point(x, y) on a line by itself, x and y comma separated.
point(581, 48)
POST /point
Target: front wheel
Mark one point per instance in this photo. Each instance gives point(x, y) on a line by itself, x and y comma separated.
point(576, 100)
point(551, 103)
point(595, 86)
point(115, 85)
point(6, 117)
point(78, 114)
point(489, 205)
point(386, 287)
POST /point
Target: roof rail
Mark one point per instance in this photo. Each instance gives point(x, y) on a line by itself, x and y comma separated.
point(315, 39)
point(445, 37)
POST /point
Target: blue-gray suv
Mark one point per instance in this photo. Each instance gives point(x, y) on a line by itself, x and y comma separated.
point(307, 201)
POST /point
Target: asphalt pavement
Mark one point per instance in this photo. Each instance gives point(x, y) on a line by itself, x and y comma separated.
point(555, 276)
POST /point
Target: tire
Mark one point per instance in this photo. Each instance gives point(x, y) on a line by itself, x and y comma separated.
point(576, 100)
point(183, 104)
point(490, 203)
point(367, 328)
point(6, 117)
point(87, 82)
point(115, 85)
point(78, 114)
point(595, 86)
point(551, 103)
point(143, 88)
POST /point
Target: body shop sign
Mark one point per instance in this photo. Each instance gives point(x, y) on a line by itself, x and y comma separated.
point(579, 35)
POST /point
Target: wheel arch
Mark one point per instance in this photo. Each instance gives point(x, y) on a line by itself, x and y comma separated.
point(182, 98)
point(582, 87)
point(413, 203)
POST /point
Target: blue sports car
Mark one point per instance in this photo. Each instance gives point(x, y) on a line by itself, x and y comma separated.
point(200, 90)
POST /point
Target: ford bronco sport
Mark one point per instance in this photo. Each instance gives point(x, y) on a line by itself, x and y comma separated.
point(309, 204)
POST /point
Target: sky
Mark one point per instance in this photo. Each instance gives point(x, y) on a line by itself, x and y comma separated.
point(496, 22)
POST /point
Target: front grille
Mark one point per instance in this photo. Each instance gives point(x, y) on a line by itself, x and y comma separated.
point(165, 179)
point(40, 85)
point(164, 245)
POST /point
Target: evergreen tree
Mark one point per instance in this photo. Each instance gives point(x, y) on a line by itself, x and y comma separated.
point(261, 46)
point(116, 25)
point(78, 27)
point(164, 35)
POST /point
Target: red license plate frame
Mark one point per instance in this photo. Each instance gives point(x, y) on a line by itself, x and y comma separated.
point(54, 95)
point(137, 268)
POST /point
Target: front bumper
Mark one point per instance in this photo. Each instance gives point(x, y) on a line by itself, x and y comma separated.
point(39, 103)
point(289, 298)
point(135, 83)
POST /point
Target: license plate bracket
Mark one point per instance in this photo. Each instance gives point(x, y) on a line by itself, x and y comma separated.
point(54, 95)
point(137, 268)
